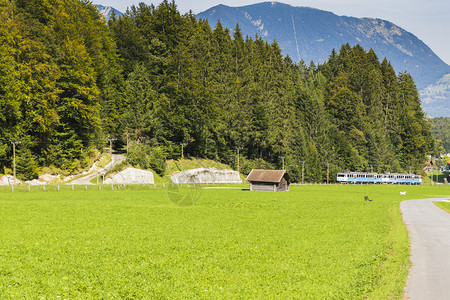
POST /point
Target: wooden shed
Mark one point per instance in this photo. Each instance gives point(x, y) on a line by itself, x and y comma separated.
point(269, 180)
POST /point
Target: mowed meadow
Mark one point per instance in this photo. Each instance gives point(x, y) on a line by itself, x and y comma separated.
point(313, 242)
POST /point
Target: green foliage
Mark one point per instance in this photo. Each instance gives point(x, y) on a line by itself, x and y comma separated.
point(146, 157)
point(68, 79)
point(138, 155)
point(440, 127)
point(158, 160)
point(347, 109)
point(58, 65)
point(246, 165)
point(26, 164)
point(141, 115)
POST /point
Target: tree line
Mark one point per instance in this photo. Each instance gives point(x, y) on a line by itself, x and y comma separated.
point(157, 78)
point(440, 128)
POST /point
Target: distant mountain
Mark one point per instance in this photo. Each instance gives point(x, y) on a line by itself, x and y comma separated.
point(106, 11)
point(310, 34)
point(436, 98)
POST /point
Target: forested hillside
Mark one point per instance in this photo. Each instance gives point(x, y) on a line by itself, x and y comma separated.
point(440, 127)
point(68, 81)
point(310, 34)
point(60, 82)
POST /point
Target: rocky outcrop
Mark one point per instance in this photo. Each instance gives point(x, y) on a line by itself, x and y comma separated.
point(9, 180)
point(207, 175)
point(131, 176)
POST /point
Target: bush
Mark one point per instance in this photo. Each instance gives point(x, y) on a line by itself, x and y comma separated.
point(146, 157)
point(26, 165)
point(158, 160)
point(246, 165)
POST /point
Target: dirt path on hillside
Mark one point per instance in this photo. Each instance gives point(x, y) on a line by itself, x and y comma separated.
point(429, 233)
point(116, 159)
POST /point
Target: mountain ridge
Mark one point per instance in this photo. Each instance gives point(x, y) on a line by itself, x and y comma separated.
point(309, 34)
point(317, 32)
point(106, 11)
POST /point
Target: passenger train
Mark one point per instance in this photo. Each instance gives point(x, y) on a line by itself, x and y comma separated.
point(388, 178)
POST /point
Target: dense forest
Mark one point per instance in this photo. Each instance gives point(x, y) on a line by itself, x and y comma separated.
point(440, 128)
point(154, 79)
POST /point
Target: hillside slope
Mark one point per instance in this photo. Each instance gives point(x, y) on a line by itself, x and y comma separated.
point(436, 97)
point(310, 34)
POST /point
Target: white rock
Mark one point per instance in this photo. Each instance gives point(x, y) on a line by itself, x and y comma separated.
point(9, 180)
point(207, 175)
point(131, 176)
point(35, 182)
point(50, 178)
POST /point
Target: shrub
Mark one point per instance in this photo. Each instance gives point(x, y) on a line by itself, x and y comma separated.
point(26, 165)
point(146, 157)
point(246, 165)
point(158, 160)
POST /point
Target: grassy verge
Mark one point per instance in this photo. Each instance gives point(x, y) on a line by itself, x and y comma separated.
point(443, 205)
point(314, 242)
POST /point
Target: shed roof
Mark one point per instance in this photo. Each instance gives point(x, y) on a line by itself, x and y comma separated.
point(273, 176)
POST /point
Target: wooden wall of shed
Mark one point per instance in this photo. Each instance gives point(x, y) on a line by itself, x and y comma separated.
point(283, 186)
point(266, 187)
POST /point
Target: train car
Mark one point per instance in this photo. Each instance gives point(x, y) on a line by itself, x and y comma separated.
point(376, 178)
point(416, 179)
point(342, 178)
point(358, 177)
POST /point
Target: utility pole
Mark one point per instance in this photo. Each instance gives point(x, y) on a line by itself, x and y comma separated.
point(303, 171)
point(110, 147)
point(432, 172)
point(282, 158)
point(328, 172)
point(238, 148)
point(128, 143)
point(182, 154)
point(14, 159)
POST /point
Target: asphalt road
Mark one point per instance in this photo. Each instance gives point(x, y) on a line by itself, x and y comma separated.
point(116, 159)
point(429, 233)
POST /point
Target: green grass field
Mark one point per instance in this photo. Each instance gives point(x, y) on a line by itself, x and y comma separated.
point(314, 242)
point(444, 205)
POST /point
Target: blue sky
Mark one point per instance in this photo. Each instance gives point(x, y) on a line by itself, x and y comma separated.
point(429, 20)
